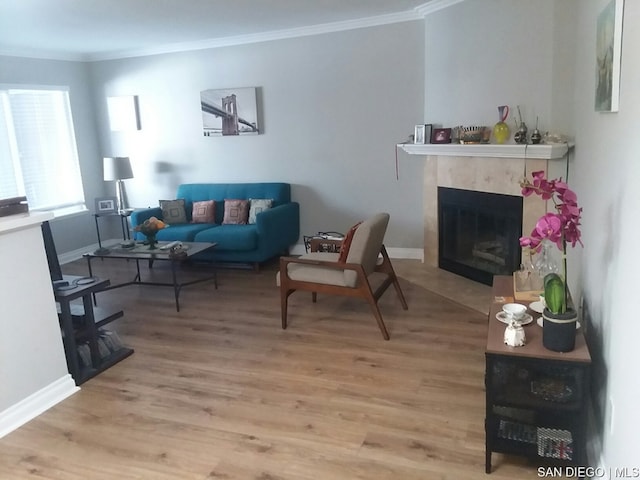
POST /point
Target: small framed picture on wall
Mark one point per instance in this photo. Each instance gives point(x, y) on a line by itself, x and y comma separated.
point(105, 205)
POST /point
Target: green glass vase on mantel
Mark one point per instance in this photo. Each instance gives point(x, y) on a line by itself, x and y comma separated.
point(501, 131)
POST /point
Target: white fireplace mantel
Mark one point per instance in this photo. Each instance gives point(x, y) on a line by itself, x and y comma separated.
point(545, 152)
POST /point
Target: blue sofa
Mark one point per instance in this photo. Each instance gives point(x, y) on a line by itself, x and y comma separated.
point(275, 230)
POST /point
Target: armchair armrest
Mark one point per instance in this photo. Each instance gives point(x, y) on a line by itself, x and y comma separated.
point(320, 263)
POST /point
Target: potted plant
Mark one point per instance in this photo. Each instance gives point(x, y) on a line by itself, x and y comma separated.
point(560, 228)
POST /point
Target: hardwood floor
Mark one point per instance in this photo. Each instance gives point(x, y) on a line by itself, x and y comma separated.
point(220, 391)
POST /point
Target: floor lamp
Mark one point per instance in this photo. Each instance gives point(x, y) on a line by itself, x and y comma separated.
point(118, 169)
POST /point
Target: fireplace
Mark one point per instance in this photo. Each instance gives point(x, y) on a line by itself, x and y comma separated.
point(478, 233)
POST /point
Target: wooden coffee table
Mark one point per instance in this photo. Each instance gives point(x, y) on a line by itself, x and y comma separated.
point(141, 252)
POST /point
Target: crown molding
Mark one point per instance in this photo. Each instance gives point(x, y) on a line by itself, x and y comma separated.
point(434, 6)
point(42, 54)
point(262, 37)
point(417, 13)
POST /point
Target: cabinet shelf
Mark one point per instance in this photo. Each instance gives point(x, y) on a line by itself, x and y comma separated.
point(101, 317)
point(86, 373)
point(81, 322)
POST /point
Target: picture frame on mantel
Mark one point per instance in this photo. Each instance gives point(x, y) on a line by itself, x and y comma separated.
point(608, 57)
point(441, 135)
point(422, 134)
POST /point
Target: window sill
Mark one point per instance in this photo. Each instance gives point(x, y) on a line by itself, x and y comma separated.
point(67, 211)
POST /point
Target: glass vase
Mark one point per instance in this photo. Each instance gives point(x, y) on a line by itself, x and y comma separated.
point(545, 264)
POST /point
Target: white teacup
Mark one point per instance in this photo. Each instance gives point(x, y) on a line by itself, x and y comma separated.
point(514, 310)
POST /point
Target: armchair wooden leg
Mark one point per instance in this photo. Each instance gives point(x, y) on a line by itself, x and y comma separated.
point(314, 297)
point(388, 269)
point(284, 300)
point(378, 315)
point(396, 285)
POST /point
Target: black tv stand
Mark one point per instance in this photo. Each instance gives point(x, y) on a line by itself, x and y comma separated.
point(81, 324)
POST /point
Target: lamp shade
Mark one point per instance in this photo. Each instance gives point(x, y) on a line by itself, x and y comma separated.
point(117, 168)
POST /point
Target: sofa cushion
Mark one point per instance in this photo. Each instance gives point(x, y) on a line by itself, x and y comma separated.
point(183, 232)
point(230, 237)
point(257, 205)
point(236, 211)
point(203, 212)
point(173, 211)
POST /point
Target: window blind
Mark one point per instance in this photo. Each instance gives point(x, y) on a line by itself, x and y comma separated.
point(38, 150)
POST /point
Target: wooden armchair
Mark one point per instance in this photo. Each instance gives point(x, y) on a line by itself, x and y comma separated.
point(365, 272)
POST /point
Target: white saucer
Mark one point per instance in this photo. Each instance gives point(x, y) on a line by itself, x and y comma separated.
point(526, 319)
point(536, 306)
point(539, 322)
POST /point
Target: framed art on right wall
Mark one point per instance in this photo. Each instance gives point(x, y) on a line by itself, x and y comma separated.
point(608, 57)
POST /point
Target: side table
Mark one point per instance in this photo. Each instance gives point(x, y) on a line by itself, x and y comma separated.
point(536, 399)
point(124, 222)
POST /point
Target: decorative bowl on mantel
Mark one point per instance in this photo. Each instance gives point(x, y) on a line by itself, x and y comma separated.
point(474, 135)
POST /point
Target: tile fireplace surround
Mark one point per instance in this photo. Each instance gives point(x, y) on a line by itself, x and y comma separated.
point(483, 168)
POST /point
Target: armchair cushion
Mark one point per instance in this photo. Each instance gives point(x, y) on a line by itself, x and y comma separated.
point(305, 272)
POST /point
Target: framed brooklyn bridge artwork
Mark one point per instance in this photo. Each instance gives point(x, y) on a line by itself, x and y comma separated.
point(231, 111)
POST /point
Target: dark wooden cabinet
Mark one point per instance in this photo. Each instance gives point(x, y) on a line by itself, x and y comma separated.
point(536, 399)
point(89, 348)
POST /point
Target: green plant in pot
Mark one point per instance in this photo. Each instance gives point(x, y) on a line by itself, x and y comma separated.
point(561, 228)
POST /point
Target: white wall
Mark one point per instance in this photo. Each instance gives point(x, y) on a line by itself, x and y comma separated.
point(541, 55)
point(484, 53)
point(605, 176)
point(332, 106)
point(33, 368)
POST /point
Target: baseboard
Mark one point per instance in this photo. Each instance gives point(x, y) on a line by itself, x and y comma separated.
point(394, 252)
point(36, 403)
point(406, 253)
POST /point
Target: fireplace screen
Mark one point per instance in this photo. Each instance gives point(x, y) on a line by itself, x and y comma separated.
point(479, 233)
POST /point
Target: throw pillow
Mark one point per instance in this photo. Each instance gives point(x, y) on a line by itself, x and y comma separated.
point(173, 211)
point(346, 243)
point(204, 212)
point(235, 212)
point(258, 205)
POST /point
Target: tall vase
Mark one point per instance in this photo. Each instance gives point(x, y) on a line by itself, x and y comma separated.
point(545, 264)
point(501, 130)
